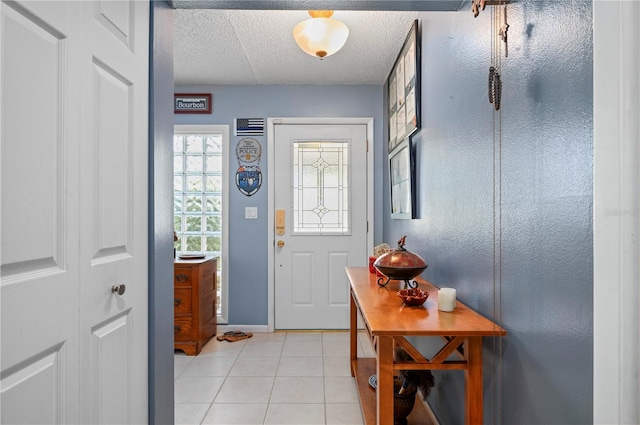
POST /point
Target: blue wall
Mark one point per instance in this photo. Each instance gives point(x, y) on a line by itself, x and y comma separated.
point(505, 217)
point(248, 244)
point(507, 221)
point(161, 395)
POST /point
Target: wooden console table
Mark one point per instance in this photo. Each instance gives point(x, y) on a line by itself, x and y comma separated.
point(388, 321)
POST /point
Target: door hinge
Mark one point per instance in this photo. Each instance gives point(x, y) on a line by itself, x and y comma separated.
point(367, 226)
point(367, 146)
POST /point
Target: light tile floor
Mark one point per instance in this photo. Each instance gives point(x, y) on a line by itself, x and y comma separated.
point(272, 378)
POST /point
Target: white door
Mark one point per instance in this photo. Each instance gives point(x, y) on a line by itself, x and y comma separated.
point(74, 141)
point(320, 203)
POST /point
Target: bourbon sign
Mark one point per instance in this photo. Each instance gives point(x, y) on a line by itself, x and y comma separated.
point(192, 103)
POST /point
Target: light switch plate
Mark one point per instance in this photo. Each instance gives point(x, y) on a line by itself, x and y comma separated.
point(250, 213)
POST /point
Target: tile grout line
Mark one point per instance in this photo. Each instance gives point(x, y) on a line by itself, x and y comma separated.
point(266, 411)
point(325, 343)
point(235, 360)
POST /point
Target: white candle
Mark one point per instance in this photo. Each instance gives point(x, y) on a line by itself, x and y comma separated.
point(446, 299)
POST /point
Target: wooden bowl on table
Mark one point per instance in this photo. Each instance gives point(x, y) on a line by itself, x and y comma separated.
point(413, 296)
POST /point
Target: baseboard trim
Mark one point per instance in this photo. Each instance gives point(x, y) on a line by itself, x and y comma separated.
point(244, 328)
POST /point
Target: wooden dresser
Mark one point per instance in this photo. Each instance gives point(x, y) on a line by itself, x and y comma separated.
point(194, 288)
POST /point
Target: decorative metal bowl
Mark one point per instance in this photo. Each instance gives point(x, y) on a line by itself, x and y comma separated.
point(400, 264)
point(413, 296)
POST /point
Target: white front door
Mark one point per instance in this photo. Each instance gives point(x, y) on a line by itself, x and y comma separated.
point(74, 141)
point(320, 220)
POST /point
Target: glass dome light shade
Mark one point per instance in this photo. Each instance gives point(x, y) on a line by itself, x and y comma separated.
point(320, 37)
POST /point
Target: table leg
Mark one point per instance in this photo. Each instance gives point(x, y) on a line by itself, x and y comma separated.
point(353, 334)
point(473, 381)
point(384, 370)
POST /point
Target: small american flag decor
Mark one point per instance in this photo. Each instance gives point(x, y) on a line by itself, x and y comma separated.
point(249, 126)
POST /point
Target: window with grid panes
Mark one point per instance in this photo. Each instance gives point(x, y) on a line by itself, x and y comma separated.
point(197, 186)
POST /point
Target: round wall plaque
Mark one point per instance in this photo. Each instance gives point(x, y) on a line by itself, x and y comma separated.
point(248, 150)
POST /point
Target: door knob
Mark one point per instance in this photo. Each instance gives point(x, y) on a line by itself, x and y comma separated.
point(118, 289)
point(280, 243)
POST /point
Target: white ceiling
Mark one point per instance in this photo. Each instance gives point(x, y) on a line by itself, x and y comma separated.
point(255, 47)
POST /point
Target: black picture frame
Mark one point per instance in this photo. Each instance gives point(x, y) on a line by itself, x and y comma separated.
point(403, 90)
point(402, 182)
point(192, 103)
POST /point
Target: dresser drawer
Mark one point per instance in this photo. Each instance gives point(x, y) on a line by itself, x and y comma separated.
point(182, 301)
point(182, 276)
point(183, 329)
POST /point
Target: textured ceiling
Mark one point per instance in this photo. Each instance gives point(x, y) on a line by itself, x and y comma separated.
point(255, 47)
point(232, 42)
point(424, 5)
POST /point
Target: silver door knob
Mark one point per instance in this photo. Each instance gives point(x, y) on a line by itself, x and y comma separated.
point(118, 289)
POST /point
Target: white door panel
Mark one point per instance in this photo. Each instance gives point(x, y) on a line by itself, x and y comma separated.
point(114, 233)
point(74, 205)
point(39, 198)
point(325, 222)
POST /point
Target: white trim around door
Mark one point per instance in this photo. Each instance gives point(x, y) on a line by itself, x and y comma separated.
point(616, 212)
point(271, 122)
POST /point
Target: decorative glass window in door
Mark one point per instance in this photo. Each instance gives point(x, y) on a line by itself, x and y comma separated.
point(321, 198)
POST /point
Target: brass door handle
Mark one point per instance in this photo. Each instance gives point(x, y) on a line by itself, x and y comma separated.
point(280, 222)
point(280, 243)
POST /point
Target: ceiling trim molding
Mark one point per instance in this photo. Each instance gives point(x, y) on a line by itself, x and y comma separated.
point(399, 5)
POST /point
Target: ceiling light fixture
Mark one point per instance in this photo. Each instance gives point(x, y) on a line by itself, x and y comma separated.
point(321, 35)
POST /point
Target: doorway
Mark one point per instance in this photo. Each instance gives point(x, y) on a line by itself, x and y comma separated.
point(603, 33)
point(313, 243)
point(74, 171)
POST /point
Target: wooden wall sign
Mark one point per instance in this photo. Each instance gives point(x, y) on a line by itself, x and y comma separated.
point(192, 103)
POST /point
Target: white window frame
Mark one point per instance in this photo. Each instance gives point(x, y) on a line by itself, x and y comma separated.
point(224, 248)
